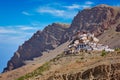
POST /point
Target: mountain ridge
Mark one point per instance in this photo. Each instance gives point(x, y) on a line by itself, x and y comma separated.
point(96, 20)
point(41, 41)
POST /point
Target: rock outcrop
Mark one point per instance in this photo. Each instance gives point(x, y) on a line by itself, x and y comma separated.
point(95, 20)
point(118, 28)
point(101, 72)
point(41, 41)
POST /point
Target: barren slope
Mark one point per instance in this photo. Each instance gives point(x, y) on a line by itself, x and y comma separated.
point(85, 66)
point(31, 65)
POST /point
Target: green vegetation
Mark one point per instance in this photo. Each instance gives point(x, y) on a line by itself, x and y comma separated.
point(104, 53)
point(37, 72)
point(41, 69)
point(82, 58)
point(117, 50)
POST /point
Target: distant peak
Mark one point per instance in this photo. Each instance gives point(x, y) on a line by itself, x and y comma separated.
point(58, 23)
point(64, 25)
point(102, 5)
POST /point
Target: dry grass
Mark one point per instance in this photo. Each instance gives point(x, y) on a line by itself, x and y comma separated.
point(33, 65)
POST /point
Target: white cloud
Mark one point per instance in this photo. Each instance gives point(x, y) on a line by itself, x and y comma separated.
point(16, 29)
point(3, 31)
point(7, 39)
point(16, 34)
point(26, 13)
point(88, 2)
point(73, 6)
point(63, 13)
point(23, 27)
point(28, 28)
point(80, 7)
point(53, 11)
point(86, 6)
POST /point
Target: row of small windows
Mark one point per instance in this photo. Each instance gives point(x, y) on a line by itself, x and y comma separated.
point(82, 45)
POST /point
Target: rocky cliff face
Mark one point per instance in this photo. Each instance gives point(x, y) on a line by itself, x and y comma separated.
point(41, 41)
point(118, 28)
point(95, 20)
point(101, 72)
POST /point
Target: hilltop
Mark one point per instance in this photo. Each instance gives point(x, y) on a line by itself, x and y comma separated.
point(102, 20)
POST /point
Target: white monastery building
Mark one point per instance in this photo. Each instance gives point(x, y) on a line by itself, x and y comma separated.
point(87, 41)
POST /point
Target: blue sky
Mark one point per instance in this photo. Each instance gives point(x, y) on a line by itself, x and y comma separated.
point(19, 19)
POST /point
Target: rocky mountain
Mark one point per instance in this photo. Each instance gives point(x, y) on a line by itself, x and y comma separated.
point(41, 41)
point(100, 20)
point(95, 20)
point(118, 28)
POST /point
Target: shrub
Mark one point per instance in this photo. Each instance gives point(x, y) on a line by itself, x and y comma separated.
point(82, 58)
point(37, 72)
point(104, 53)
point(117, 49)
